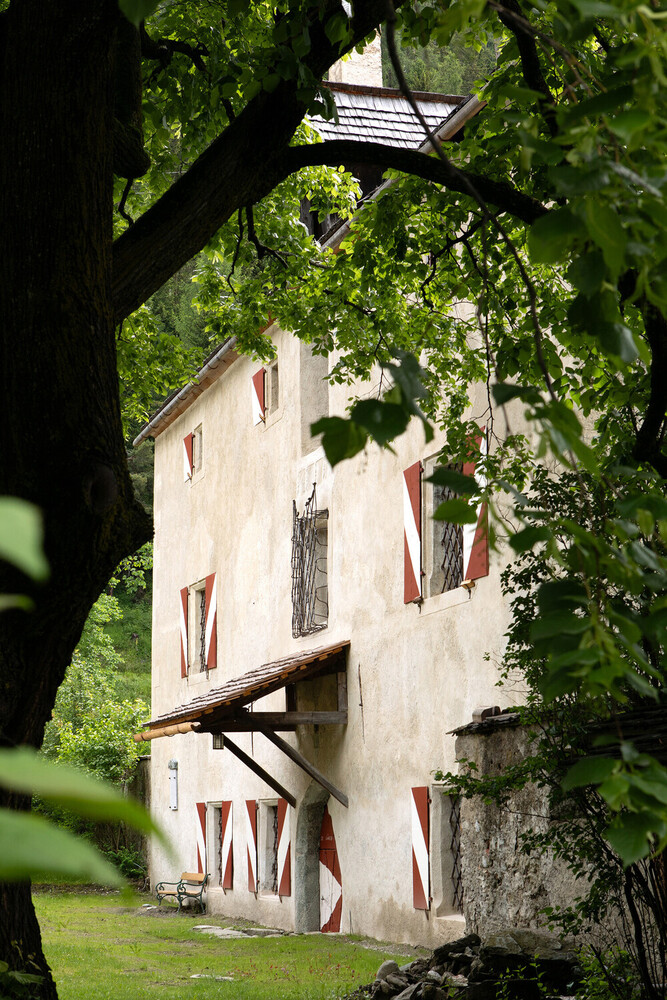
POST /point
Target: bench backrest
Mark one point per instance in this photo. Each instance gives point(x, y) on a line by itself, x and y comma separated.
point(197, 877)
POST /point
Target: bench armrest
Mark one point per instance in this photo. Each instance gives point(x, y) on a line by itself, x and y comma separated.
point(167, 885)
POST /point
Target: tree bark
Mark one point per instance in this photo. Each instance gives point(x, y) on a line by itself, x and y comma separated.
point(61, 438)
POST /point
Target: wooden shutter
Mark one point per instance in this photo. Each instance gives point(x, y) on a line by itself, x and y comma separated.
point(184, 631)
point(226, 853)
point(201, 837)
point(211, 647)
point(412, 533)
point(251, 842)
point(284, 850)
point(188, 464)
point(476, 536)
point(331, 883)
point(258, 404)
point(420, 868)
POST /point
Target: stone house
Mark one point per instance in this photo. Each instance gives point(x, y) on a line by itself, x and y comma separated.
point(316, 636)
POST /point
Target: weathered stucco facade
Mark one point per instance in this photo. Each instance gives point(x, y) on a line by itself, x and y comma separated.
point(414, 671)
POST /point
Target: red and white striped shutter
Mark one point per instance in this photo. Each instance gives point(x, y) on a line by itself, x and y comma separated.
point(420, 872)
point(188, 464)
point(227, 861)
point(412, 533)
point(211, 648)
point(201, 837)
point(258, 406)
point(476, 536)
point(184, 631)
point(284, 850)
point(331, 883)
point(251, 842)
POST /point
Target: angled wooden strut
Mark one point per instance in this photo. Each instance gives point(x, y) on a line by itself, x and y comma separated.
point(259, 770)
point(299, 759)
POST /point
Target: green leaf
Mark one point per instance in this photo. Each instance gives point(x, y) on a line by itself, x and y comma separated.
point(21, 536)
point(456, 481)
point(600, 104)
point(587, 272)
point(628, 123)
point(526, 539)
point(606, 230)
point(591, 771)
point(629, 836)
point(31, 847)
point(552, 235)
point(503, 392)
point(137, 10)
point(24, 770)
point(616, 339)
point(561, 594)
point(456, 511)
point(383, 421)
point(557, 623)
point(341, 438)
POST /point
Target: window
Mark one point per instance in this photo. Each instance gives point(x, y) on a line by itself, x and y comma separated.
point(440, 556)
point(310, 594)
point(199, 641)
point(268, 847)
point(272, 389)
point(193, 454)
point(443, 541)
point(197, 450)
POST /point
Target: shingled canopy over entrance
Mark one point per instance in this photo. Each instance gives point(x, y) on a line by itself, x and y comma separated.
point(225, 709)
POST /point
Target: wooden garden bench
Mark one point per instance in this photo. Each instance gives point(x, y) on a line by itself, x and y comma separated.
point(191, 885)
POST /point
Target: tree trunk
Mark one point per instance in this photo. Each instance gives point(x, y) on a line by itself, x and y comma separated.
point(61, 441)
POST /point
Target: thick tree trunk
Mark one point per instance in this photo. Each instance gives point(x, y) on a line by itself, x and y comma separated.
point(61, 439)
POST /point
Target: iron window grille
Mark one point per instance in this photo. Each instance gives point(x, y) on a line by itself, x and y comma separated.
point(202, 630)
point(447, 544)
point(310, 601)
point(455, 848)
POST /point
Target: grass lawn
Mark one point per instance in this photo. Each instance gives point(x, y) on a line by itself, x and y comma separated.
point(99, 946)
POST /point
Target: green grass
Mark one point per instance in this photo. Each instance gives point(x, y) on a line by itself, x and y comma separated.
point(98, 947)
point(134, 677)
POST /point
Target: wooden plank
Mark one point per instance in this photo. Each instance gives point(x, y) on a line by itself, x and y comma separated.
point(244, 722)
point(342, 691)
point(304, 764)
point(259, 770)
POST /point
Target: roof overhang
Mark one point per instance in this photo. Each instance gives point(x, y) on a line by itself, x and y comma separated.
point(224, 710)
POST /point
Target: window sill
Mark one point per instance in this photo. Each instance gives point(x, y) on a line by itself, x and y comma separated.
point(196, 677)
point(450, 599)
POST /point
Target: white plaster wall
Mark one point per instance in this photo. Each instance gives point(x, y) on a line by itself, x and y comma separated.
point(422, 670)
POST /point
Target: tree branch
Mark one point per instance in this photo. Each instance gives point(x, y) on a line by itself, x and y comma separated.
point(650, 436)
point(410, 161)
point(512, 17)
point(239, 168)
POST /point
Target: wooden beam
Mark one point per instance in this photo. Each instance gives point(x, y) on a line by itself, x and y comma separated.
point(301, 761)
point(156, 734)
point(342, 691)
point(259, 770)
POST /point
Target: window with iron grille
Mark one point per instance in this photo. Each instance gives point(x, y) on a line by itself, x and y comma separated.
point(310, 597)
point(201, 644)
point(455, 849)
point(443, 548)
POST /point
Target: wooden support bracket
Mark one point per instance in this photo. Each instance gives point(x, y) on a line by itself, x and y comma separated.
point(304, 764)
point(259, 770)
